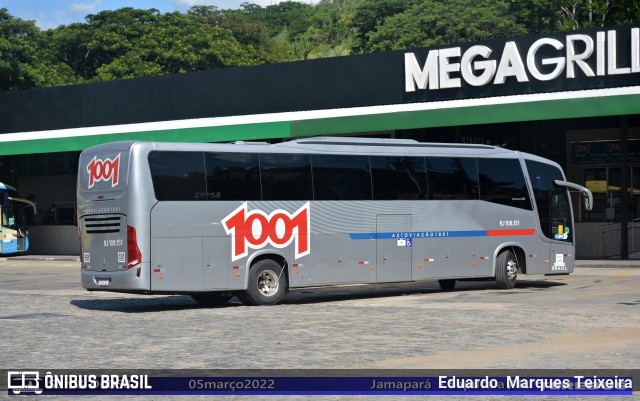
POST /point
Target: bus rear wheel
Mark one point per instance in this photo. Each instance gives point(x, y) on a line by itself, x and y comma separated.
point(267, 284)
point(506, 270)
point(210, 298)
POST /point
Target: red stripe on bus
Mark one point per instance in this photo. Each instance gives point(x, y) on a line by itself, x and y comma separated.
point(500, 233)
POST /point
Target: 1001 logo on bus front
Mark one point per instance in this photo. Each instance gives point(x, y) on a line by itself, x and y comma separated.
point(255, 229)
point(103, 170)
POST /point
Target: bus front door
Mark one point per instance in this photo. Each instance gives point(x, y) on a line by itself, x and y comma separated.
point(393, 248)
point(561, 246)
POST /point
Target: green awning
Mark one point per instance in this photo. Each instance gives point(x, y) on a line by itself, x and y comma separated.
point(531, 107)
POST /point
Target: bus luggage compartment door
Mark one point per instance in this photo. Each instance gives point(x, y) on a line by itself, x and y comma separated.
point(177, 264)
point(393, 247)
point(216, 263)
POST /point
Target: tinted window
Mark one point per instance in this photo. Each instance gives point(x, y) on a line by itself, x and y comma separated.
point(232, 176)
point(286, 177)
point(553, 202)
point(337, 177)
point(502, 181)
point(560, 212)
point(397, 177)
point(178, 175)
point(452, 178)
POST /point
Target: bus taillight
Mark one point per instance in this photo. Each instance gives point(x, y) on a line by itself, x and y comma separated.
point(133, 252)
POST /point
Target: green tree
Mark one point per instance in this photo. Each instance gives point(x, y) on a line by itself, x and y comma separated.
point(244, 29)
point(248, 30)
point(285, 25)
point(130, 65)
point(435, 22)
point(105, 37)
point(19, 43)
point(128, 43)
point(331, 31)
point(372, 14)
point(26, 60)
point(538, 16)
point(576, 14)
point(293, 16)
point(178, 43)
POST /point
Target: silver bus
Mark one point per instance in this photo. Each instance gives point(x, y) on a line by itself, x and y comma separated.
point(254, 220)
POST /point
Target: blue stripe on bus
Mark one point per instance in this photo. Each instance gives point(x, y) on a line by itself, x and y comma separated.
point(419, 234)
point(440, 234)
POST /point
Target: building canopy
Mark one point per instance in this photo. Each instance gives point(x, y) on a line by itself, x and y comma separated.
point(563, 75)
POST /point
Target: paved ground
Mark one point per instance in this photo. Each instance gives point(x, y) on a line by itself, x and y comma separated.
point(588, 320)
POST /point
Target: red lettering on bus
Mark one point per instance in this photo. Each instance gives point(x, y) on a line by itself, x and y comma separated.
point(255, 229)
point(104, 170)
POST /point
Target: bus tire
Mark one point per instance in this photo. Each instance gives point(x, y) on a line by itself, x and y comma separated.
point(447, 285)
point(267, 284)
point(243, 298)
point(210, 298)
point(506, 270)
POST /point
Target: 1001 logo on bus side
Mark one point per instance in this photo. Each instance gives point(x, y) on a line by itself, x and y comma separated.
point(255, 229)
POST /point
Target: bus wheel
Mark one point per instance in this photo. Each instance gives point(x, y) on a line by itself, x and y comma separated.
point(506, 270)
point(210, 298)
point(267, 284)
point(447, 285)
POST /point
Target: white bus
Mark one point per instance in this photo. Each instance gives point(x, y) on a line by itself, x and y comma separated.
point(254, 219)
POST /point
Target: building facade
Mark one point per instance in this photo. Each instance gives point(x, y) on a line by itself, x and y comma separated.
point(573, 97)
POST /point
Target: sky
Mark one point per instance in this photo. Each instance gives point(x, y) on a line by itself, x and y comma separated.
point(51, 13)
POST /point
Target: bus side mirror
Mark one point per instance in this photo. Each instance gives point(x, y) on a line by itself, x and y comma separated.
point(588, 203)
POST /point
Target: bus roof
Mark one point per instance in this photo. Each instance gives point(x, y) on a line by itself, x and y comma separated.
point(323, 145)
point(388, 146)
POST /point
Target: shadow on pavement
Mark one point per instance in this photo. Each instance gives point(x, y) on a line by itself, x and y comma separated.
point(160, 303)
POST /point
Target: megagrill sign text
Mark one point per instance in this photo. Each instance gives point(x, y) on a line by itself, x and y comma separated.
point(573, 60)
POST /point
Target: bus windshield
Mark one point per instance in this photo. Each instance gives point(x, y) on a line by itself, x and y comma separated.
point(13, 220)
point(14, 216)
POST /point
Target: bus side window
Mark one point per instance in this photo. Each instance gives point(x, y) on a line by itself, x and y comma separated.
point(398, 178)
point(286, 177)
point(337, 177)
point(502, 181)
point(177, 175)
point(233, 176)
point(452, 178)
